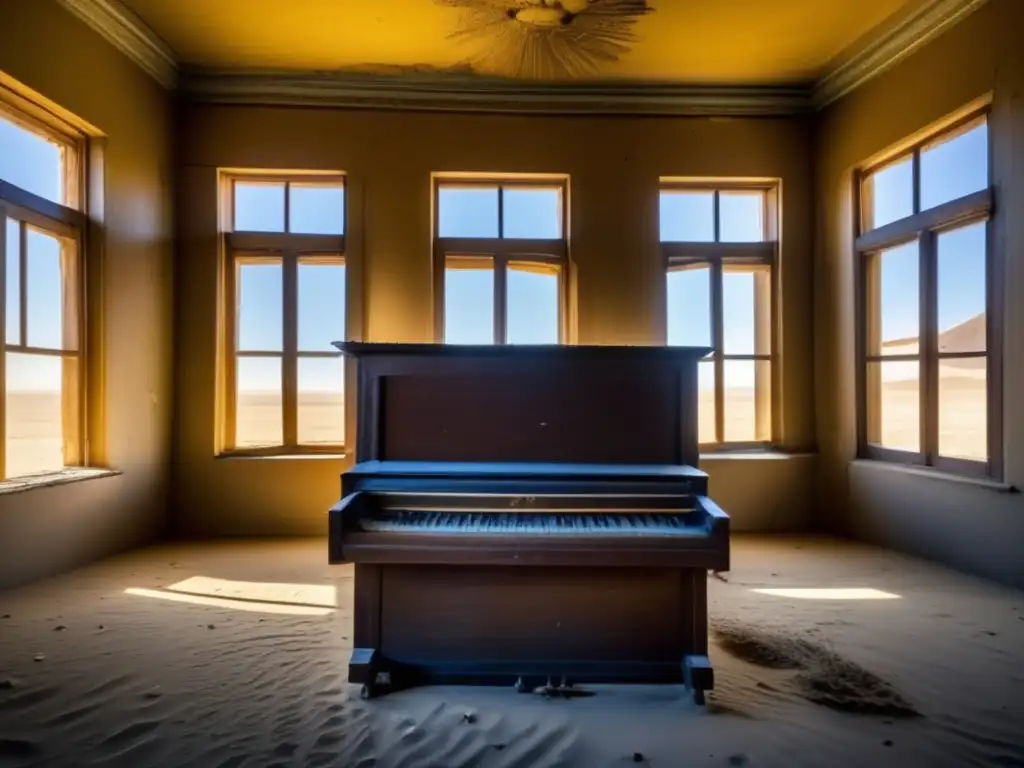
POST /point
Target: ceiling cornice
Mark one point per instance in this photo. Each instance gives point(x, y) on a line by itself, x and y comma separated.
point(444, 92)
point(462, 93)
point(890, 45)
point(129, 34)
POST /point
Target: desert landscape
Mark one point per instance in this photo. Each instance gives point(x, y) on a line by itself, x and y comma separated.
point(34, 427)
point(34, 443)
point(233, 654)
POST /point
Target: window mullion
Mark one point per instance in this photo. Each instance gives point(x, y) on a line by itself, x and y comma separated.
point(717, 335)
point(915, 169)
point(716, 209)
point(994, 318)
point(928, 347)
point(23, 283)
point(287, 206)
point(501, 212)
point(289, 358)
point(500, 299)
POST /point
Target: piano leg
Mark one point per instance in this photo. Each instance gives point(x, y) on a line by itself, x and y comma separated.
point(699, 676)
point(367, 664)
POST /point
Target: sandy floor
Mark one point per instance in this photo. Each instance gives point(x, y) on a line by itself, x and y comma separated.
point(245, 666)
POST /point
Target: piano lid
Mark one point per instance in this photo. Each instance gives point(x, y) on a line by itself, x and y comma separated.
point(510, 470)
point(507, 403)
point(634, 353)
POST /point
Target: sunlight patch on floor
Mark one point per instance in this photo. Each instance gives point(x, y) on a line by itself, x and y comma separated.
point(315, 595)
point(238, 605)
point(850, 593)
point(252, 596)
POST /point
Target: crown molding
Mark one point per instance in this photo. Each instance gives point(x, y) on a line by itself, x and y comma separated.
point(441, 91)
point(466, 93)
point(129, 34)
point(886, 47)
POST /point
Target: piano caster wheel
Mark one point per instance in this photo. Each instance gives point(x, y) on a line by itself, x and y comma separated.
point(379, 684)
point(521, 686)
point(698, 697)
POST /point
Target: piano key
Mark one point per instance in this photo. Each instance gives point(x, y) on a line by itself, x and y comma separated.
point(578, 524)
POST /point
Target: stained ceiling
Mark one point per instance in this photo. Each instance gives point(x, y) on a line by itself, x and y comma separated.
point(691, 41)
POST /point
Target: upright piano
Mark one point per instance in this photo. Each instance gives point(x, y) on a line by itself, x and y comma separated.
point(527, 516)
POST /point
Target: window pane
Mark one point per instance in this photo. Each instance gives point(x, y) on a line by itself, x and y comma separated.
point(467, 212)
point(961, 278)
point(45, 295)
point(316, 209)
point(469, 302)
point(746, 309)
point(963, 408)
point(889, 194)
point(747, 401)
point(260, 309)
point(894, 405)
point(893, 317)
point(532, 305)
point(31, 162)
point(259, 206)
point(321, 306)
point(13, 277)
point(258, 414)
point(706, 402)
point(321, 400)
point(689, 306)
point(687, 217)
point(741, 217)
point(954, 167)
point(532, 213)
point(34, 414)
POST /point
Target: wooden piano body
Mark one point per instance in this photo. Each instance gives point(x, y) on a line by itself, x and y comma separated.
point(525, 515)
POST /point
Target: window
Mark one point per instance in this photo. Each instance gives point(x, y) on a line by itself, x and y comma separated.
point(42, 377)
point(928, 383)
point(500, 260)
point(720, 250)
point(285, 285)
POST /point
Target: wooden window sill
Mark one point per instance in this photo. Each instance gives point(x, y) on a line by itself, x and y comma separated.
point(281, 456)
point(932, 473)
point(50, 479)
point(747, 454)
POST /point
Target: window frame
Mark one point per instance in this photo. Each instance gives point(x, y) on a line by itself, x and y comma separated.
point(289, 250)
point(924, 227)
point(500, 251)
point(718, 256)
point(67, 223)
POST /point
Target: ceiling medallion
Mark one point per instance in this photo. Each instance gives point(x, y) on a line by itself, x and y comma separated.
point(546, 39)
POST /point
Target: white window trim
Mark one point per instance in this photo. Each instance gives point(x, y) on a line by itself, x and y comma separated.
point(718, 256)
point(67, 222)
point(922, 227)
point(500, 252)
point(289, 250)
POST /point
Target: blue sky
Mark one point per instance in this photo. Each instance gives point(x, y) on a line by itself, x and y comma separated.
point(948, 171)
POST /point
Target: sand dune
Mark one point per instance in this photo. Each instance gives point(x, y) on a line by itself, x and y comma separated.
point(91, 674)
point(968, 336)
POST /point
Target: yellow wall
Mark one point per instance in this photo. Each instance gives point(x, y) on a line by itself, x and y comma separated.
point(613, 165)
point(966, 524)
point(46, 530)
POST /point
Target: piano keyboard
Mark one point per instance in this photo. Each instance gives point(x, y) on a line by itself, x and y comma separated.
point(524, 523)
